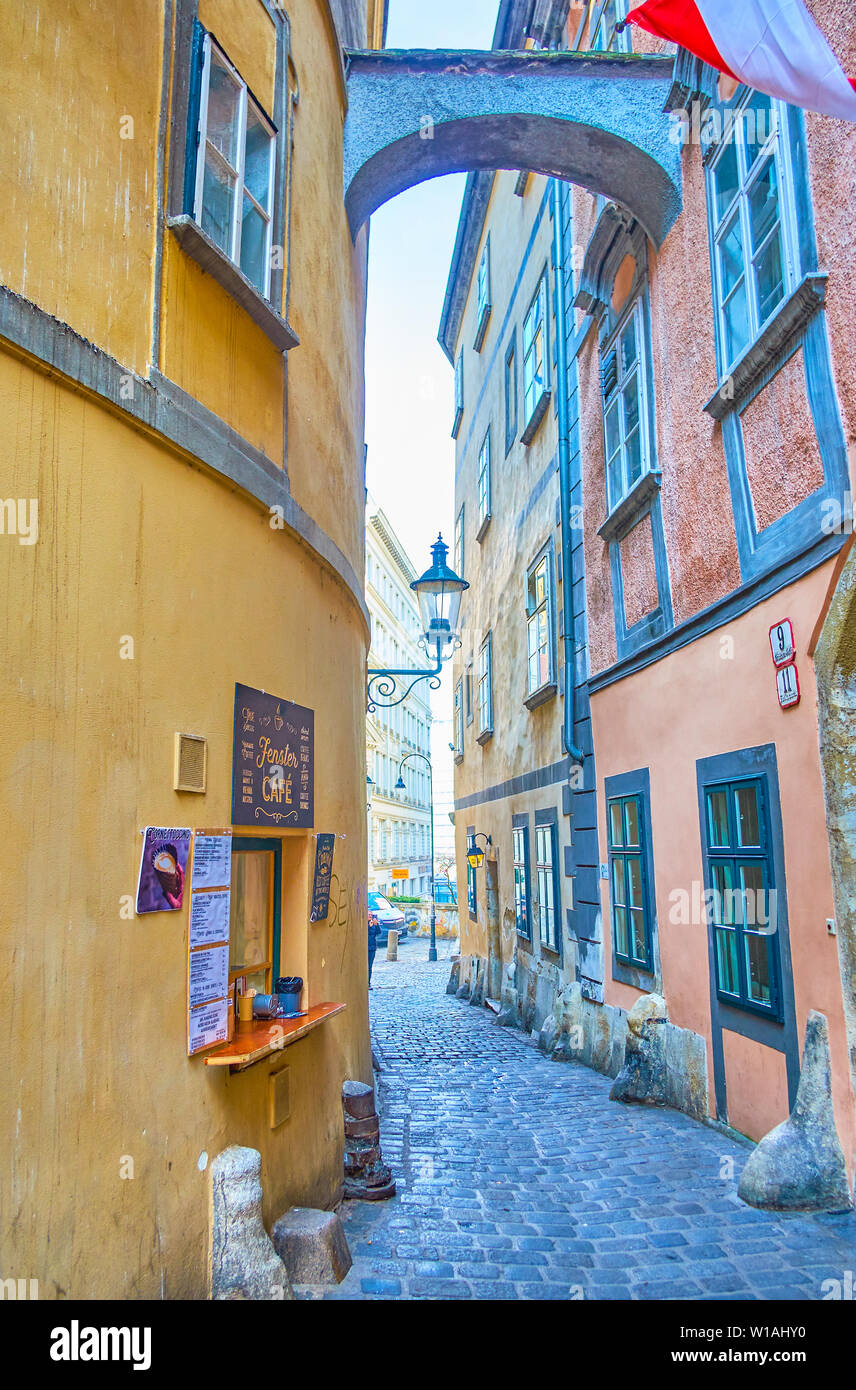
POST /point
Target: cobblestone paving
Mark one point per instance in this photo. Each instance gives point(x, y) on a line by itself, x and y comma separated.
point(518, 1177)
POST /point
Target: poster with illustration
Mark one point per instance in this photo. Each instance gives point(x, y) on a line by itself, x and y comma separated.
point(163, 869)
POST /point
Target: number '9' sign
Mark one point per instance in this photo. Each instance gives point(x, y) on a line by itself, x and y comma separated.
point(782, 642)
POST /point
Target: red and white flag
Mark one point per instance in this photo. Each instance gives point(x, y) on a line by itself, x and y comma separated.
point(771, 45)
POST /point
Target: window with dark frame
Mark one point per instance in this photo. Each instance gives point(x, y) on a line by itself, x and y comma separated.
point(535, 389)
point(520, 859)
point(625, 405)
point(547, 888)
point(631, 918)
point(483, 304)
point(459, 543)
point(539, 624)
point(459, 394)
point(459, 720)
point(233, 201)
point(604, 38)
point(468, 691)
point(485, 688)
point(484, 485)
point(510, 396)
point(741, 898)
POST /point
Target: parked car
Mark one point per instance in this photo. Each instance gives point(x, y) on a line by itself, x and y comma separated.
point(389, 918)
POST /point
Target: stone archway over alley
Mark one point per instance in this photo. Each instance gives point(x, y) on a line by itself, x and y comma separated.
point(518, 1177)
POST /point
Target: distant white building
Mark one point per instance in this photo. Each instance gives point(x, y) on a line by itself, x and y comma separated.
point(399, 821)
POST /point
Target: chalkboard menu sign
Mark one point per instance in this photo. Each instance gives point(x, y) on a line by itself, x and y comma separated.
point(324, 846)
point(273, 761)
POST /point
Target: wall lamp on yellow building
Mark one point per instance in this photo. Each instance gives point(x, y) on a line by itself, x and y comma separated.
point(475, 855)
point(439, 592)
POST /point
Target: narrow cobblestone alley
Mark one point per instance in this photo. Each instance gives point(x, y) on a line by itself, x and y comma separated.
point(518, 1178)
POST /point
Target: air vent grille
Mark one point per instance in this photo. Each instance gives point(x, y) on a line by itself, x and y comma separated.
point(191, 763)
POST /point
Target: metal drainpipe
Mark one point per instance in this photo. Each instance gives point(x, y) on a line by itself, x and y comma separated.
point(573, 752)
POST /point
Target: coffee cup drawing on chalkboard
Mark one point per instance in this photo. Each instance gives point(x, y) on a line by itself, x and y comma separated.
point(277, 720)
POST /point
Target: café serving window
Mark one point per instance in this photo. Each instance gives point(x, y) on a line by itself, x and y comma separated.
point(254, 913)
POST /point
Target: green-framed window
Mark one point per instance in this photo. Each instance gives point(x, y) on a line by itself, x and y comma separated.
point(631, 917)
point(741, 896)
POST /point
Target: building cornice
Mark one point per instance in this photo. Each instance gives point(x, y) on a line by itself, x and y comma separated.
point(159, 407)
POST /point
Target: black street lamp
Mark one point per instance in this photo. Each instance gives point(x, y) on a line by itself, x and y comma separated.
point(400, 786)
point(438, 592)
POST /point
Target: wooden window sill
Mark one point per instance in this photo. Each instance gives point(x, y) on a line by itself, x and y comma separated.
point(253, 1041)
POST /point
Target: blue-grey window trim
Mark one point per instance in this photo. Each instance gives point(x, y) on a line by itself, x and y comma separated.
point(539, 410)
point(484, 317)
point(724, 610)
point(548, 815)
point(781, 1037)
point(615, 236)
point(629, 640)
point(638, 784)
point(520, 821)
point(793, 533)
point(790, 535)
point(534, 698)
point(511, 418)
point(459, 393)
point(487, 377)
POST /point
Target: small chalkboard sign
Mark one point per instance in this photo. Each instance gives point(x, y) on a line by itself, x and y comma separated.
point(324, 846)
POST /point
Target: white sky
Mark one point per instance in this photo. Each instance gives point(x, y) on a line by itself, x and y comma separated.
point(409, 382)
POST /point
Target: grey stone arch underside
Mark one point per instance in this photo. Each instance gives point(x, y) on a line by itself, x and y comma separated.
point(593, 120)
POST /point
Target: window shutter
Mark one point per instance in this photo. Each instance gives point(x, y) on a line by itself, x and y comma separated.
point(609, 374)
point(191, 154)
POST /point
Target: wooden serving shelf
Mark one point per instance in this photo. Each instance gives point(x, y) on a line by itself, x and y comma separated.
point(253, 1041)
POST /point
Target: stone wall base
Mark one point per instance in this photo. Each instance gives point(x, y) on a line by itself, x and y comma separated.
point(652, 1061)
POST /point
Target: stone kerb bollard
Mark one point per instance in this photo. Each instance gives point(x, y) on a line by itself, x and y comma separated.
point(366, 1175)
point(244, 1263)
point(392, 944)
point(643, 1077)
point(799, 1165)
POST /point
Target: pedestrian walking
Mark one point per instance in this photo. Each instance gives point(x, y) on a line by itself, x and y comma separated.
point(373, 930)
